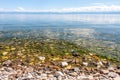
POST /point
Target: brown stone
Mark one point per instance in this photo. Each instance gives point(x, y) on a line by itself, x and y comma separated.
point(117, 71)
point(56, 67)
point(7, 63)
point(29, 69)
point(104, 71)
point(19, 73)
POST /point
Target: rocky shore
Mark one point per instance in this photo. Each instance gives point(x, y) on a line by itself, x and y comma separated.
point(53, 60)
point(63, 70)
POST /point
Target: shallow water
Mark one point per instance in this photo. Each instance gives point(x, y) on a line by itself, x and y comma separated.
point(99, 33)
point(99, 26)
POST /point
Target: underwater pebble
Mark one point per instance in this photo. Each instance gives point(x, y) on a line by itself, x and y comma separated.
point(64, 64)
point(41, 58)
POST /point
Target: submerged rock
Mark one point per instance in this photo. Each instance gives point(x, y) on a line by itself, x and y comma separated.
point(74, 53)
point(99, 64)
point(64, 64)
point(42, 58)
point(85, 63)
point(5, 53)
point(68, 67)
point(107, 64)
point(12, 49)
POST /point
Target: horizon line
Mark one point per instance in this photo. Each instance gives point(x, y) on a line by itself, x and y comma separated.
point(108, 12)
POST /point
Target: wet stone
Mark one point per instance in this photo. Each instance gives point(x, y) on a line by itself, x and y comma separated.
point(85, 63)
point(59, 73)
point(96, 75)
point(73, 74)
point(117, 71)
point(99, 64)
point(7, 63)
point(64, 64)
point(107, 64)
point(44, 75)
point(69, 60)
point(82, 78)
point(42, 58)
point(50, 75)
point(76, 69)
point(29, 69)
point(104, 71)
point(111, 69)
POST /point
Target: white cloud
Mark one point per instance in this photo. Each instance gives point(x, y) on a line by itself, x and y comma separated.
point(98, 3)
point(94, 8)
point(97, 7)
point(1, 9)
point(20, 9)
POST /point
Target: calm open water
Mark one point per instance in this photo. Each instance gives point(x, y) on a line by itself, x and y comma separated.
point(98, 26)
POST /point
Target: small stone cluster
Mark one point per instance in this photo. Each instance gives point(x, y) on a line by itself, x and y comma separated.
point(62, 70)
point(54, 60)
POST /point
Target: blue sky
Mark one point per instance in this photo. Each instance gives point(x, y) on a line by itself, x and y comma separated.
point(59, 5)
